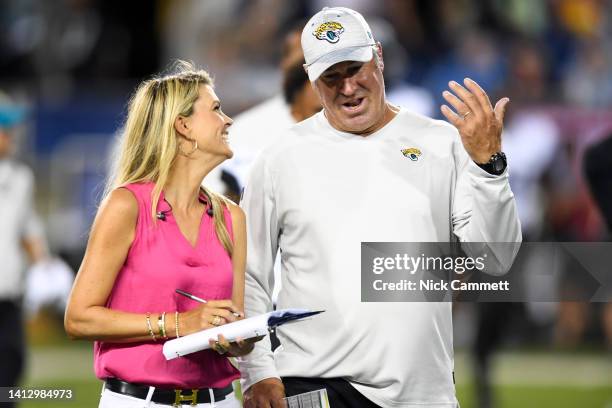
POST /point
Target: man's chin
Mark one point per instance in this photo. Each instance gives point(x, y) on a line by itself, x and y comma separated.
point(357, 124)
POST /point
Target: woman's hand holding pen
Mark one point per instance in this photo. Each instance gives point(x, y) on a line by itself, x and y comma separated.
point(222, 312)
point(206, 315)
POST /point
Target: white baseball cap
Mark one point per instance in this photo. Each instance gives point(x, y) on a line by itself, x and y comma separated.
point(333, 35)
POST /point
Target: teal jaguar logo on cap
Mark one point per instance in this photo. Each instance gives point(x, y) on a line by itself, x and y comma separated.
point(329, 31)
point(333, 35)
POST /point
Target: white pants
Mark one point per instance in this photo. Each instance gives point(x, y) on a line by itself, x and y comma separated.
point(111, 399)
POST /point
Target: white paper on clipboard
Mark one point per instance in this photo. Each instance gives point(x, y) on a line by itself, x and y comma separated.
point(252, 327)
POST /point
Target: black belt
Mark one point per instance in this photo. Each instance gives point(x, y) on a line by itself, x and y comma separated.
point(168, 396)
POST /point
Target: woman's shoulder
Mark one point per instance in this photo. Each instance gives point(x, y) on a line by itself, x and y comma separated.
point(235, 211)
point(229, 207)
point(139, 188)
point(117, 215)
point(122, 201)
point(237, 219)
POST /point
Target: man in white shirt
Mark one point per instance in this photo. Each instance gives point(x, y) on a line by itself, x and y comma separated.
point(21, 233)
point(363, 170)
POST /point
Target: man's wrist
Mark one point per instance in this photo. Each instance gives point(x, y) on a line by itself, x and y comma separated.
point(266, 380)
point(496, 165)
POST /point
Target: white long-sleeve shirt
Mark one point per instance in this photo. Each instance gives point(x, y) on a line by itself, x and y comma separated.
point(19, 221)
point(316, 195)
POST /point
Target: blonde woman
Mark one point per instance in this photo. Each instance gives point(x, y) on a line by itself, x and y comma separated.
point(158, 230)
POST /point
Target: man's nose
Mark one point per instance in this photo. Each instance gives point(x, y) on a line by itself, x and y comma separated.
point(348, 86)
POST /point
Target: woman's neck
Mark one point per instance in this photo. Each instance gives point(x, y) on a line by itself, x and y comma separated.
point(184, 181)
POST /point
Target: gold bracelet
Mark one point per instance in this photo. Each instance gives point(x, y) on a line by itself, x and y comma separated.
point(150, 328)
point(176, 324)
point(161, 324)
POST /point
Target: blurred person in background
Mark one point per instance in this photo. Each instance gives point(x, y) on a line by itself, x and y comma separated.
point(303, 102)
point(588, 81)
point(237, 40)
point(476, 55)
point(328, 185)
point(531, 135)
point(299, 94)
point(598, 172)
point(21, 233)
point(397, 65)
point(258, 127)
point(158, 230)
point(263, 125)
point(531, 138)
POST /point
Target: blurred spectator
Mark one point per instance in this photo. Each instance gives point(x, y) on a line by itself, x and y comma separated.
point(571, 217)
point(257, 127)
point(299, 94)
point(531, 137)
point(584, 18)
point(237, 40)
point(588, 82)
point(477, 57)
point(527, 17)
point(598, 171)
point(397, 63)
point(404, 17)
point(20, 233)
point(62, 43)
point(430, 31)
point(528, 82)
point(530, 140)
point(365, 7)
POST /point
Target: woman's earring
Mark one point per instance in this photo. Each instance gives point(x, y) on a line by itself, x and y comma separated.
point(195, 147)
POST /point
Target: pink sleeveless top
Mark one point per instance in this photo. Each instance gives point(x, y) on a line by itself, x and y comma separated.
point(159, 261)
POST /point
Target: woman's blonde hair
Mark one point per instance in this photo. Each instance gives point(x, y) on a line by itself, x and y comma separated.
point(149, 144)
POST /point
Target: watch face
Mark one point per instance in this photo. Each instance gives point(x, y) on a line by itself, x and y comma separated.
point(498, 164)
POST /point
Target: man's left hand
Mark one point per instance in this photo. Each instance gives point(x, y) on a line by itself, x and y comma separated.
point(479, 124)
point(237, 348)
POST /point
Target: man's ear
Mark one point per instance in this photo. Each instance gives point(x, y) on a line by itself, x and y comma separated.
point(181, 125)
point(315, 88)
point(379, 52)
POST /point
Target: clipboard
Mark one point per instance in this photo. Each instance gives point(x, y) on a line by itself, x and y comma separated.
point(245, 329)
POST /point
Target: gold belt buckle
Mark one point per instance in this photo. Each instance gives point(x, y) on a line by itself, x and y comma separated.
point(182, 398)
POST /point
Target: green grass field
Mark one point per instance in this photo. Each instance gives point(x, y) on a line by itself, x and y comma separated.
point(86, 392)
point(534, 379)
point(538, 379)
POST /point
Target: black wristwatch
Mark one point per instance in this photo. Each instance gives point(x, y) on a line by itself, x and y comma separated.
point(496, 165)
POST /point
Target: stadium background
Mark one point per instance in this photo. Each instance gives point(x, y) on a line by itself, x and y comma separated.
point(74, 63)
